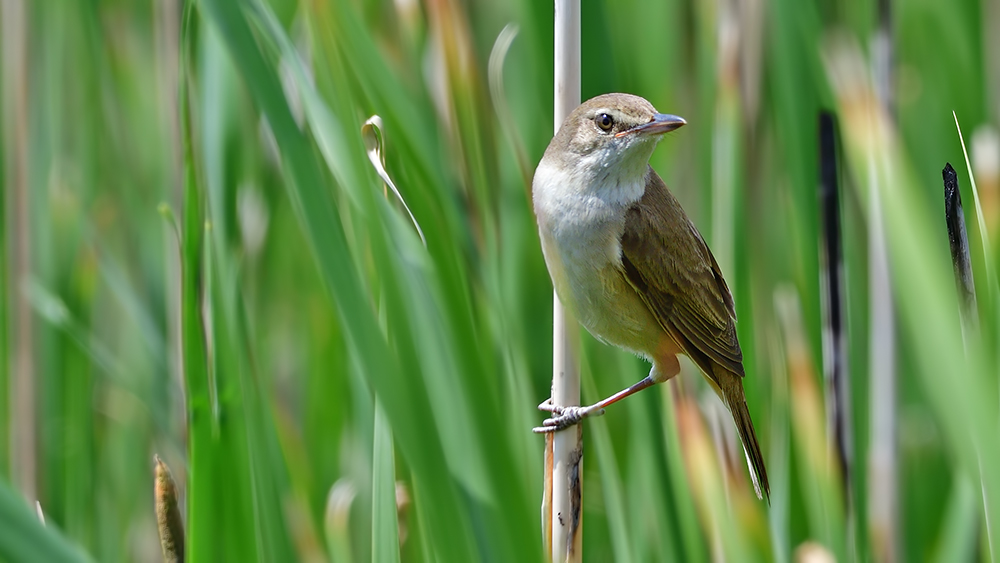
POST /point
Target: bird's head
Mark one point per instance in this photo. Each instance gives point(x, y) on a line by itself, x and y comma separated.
point(606, 142)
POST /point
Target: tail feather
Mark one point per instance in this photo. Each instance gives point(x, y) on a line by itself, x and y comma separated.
point(732, 394)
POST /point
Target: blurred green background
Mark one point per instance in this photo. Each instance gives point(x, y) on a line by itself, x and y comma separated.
point(200, 262)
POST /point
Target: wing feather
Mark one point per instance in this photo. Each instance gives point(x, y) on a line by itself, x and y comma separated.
point(683, 287)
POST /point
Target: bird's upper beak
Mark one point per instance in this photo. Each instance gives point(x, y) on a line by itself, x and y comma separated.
point(660, 124)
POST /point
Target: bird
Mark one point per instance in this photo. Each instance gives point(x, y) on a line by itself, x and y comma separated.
point(629, 265)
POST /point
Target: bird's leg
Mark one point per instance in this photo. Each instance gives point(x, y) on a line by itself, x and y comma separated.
point(568, 416)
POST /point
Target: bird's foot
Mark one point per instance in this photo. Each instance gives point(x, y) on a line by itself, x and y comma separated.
point(564, 416)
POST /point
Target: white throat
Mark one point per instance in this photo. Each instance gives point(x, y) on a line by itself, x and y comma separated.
point(611, 176)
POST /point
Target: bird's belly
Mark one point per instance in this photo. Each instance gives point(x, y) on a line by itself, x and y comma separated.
point(585, 265)
point(613, 312)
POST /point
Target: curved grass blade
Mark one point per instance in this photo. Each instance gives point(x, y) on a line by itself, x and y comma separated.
point(24, 538)
point(406, 403)
point(373, 136)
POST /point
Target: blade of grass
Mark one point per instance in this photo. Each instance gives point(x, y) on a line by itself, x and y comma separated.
point(927, 306)
point(991, 494)
point(385, 525)
point(324, 231)
point(257, 477)
point(24, 538)
point(983, 232)
point(958, 537)
point(992, 293)
point(471, 322)
point(201, 427)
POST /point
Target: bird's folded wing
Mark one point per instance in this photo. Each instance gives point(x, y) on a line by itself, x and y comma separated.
point(668, 263)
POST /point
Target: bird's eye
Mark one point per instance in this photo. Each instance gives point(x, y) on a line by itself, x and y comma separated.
point(605, 122)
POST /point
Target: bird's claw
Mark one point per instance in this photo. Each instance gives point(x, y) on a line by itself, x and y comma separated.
point(564, 416)
point(548, 406)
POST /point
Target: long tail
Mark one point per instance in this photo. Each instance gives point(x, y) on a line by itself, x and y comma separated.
point(731, 389)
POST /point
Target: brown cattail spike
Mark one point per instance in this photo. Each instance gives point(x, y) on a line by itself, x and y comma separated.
point(168, 515)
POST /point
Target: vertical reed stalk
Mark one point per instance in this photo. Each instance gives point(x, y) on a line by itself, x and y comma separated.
point(22, 370)
point(169, 32)
point(564, 450)
point(883, 462)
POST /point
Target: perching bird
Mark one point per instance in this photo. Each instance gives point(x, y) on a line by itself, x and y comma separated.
point(629, 264)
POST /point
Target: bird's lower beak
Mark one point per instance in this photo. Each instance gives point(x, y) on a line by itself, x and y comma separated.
point(660, 124)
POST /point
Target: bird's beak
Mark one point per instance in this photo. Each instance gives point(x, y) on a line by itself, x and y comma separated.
point(660, 124)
